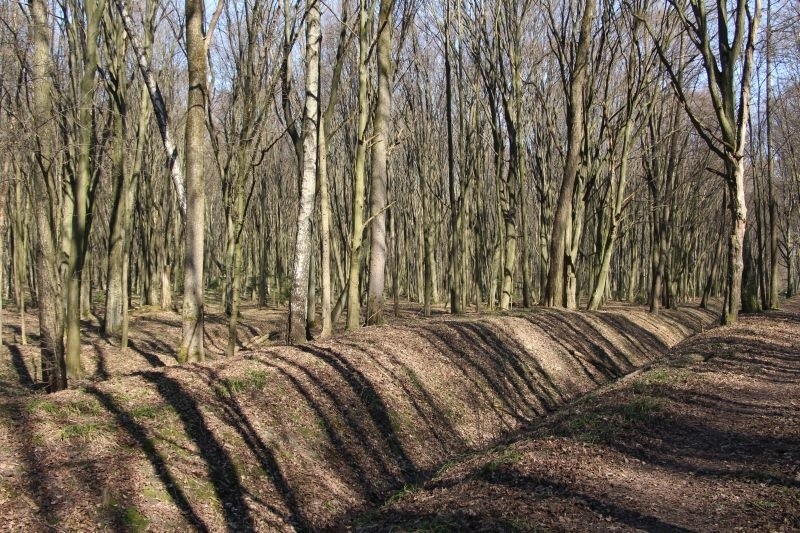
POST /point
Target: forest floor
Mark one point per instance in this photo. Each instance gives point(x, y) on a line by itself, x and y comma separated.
point(491, 421)
point(708, 441)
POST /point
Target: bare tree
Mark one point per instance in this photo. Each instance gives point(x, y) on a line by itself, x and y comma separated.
point(574, 69)
point(193, 313)
point(726, 53)
point(46, 206)
point(303, 245)
point(380, 171)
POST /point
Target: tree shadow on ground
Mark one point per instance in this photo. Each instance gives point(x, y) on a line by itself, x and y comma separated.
point(690, 426)
point(20, 367)
point(234, 416)
point(497, 365)
point(101, 365)
point(37, 479)
point(140, 435)
point(354, 418)
point(374, 405)
point(737, 439)
point(358, 407)
point(430, 409)
point(29, 336)
point(516, 491)
point(220, 468)
point(148, 348)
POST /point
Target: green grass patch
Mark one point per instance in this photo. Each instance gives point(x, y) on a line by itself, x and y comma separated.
point(83, 430)
point(658, 377)
point(407, 489)
point(762, 504)
point(156, 493)
point(253, 380)
point(43, 406)
point(201, 489)
point(445, 467)
point(604, 424)
point(134, 520)
point(590, 426)
point(150, 411)
point(507, 457)
point(414, 379)
point(640, 410)
point(72, 408)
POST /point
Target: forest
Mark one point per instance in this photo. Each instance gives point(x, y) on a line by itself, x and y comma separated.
point(191, 187)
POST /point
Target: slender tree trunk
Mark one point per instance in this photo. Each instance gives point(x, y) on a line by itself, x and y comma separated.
point(554, 290)
point(160, 108)
point(51, 319)
point(613, 227)
point(325, 229)
point(79, 234)
point(114, 314)
point(20, 252)
point(193, 313)
point(303, 244)
point(236, 286)
point(379, 174)
point(130, 200)
point(357, 221)
point(712, 269)
point(3, 222)
point(738, 211)
point(773, 234)
point(455, 199)
point(86, 285)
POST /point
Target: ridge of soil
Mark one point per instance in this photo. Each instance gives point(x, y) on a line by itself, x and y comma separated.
point(284, 438)
point(706, 442)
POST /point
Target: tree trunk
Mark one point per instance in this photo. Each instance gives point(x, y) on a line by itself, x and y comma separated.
point(379, 174)
point(325, 229)
point(611, 231)
point(712, 269)
point(357, 221)
point(303, 245)
point(555, 289)
point(750, 302)
point(455, 199)
point(114, 314)
point(773, 234)
point(49, 297)
point(738, 211)
point(193, 313)
point(79, 234)
point(160, 108)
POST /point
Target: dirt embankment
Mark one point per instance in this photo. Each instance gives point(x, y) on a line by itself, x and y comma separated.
point(706, 442)
point(284, 438)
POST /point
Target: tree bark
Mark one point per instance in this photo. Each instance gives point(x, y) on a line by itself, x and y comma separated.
point(49, 296)
point(379, 174)
point(118, 227)
point(357, 220)
point(554, 290)
point(303, 244)
point(738, 211)
point(773, 234)
point(192, 349)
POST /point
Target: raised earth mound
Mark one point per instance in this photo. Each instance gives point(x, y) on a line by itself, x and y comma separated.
point(707, 441)
point(387, 428)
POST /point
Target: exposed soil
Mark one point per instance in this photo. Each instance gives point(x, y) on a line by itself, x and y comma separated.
point(281, 438)
point(708, 442)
